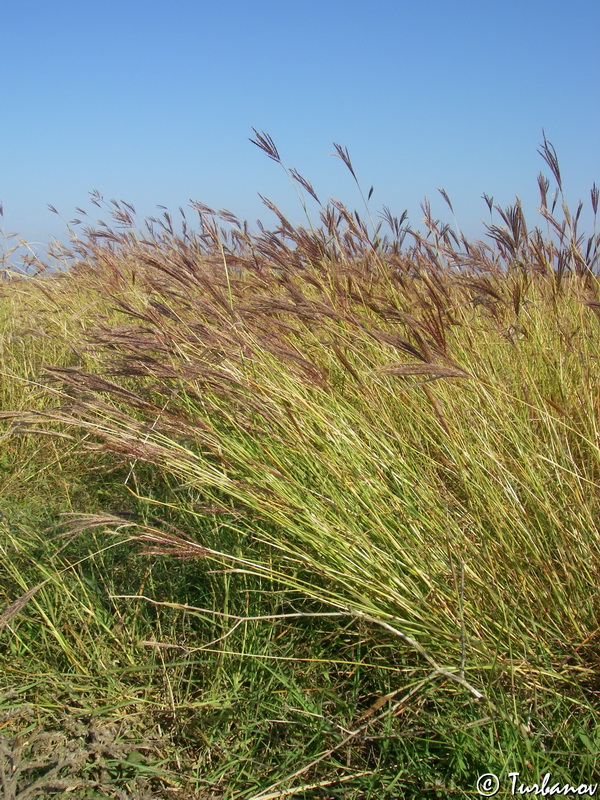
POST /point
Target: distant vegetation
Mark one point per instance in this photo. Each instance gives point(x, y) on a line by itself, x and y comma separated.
point(310, 512)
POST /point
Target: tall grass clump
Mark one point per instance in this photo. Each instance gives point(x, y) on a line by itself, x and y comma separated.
point(401, 427)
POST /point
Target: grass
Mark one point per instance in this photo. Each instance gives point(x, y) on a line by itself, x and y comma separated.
point(310, 512)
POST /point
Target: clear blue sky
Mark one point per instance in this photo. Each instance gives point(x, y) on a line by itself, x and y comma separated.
point(153, 102)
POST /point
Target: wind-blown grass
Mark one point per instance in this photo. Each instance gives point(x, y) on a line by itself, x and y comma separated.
point(406, 433)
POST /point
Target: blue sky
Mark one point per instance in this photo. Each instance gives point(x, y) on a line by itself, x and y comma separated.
point(154, 103)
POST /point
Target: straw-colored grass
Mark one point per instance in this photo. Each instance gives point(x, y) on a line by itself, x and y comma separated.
point(402, 428)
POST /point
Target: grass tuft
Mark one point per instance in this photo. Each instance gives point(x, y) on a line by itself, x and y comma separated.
point(312, 510)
